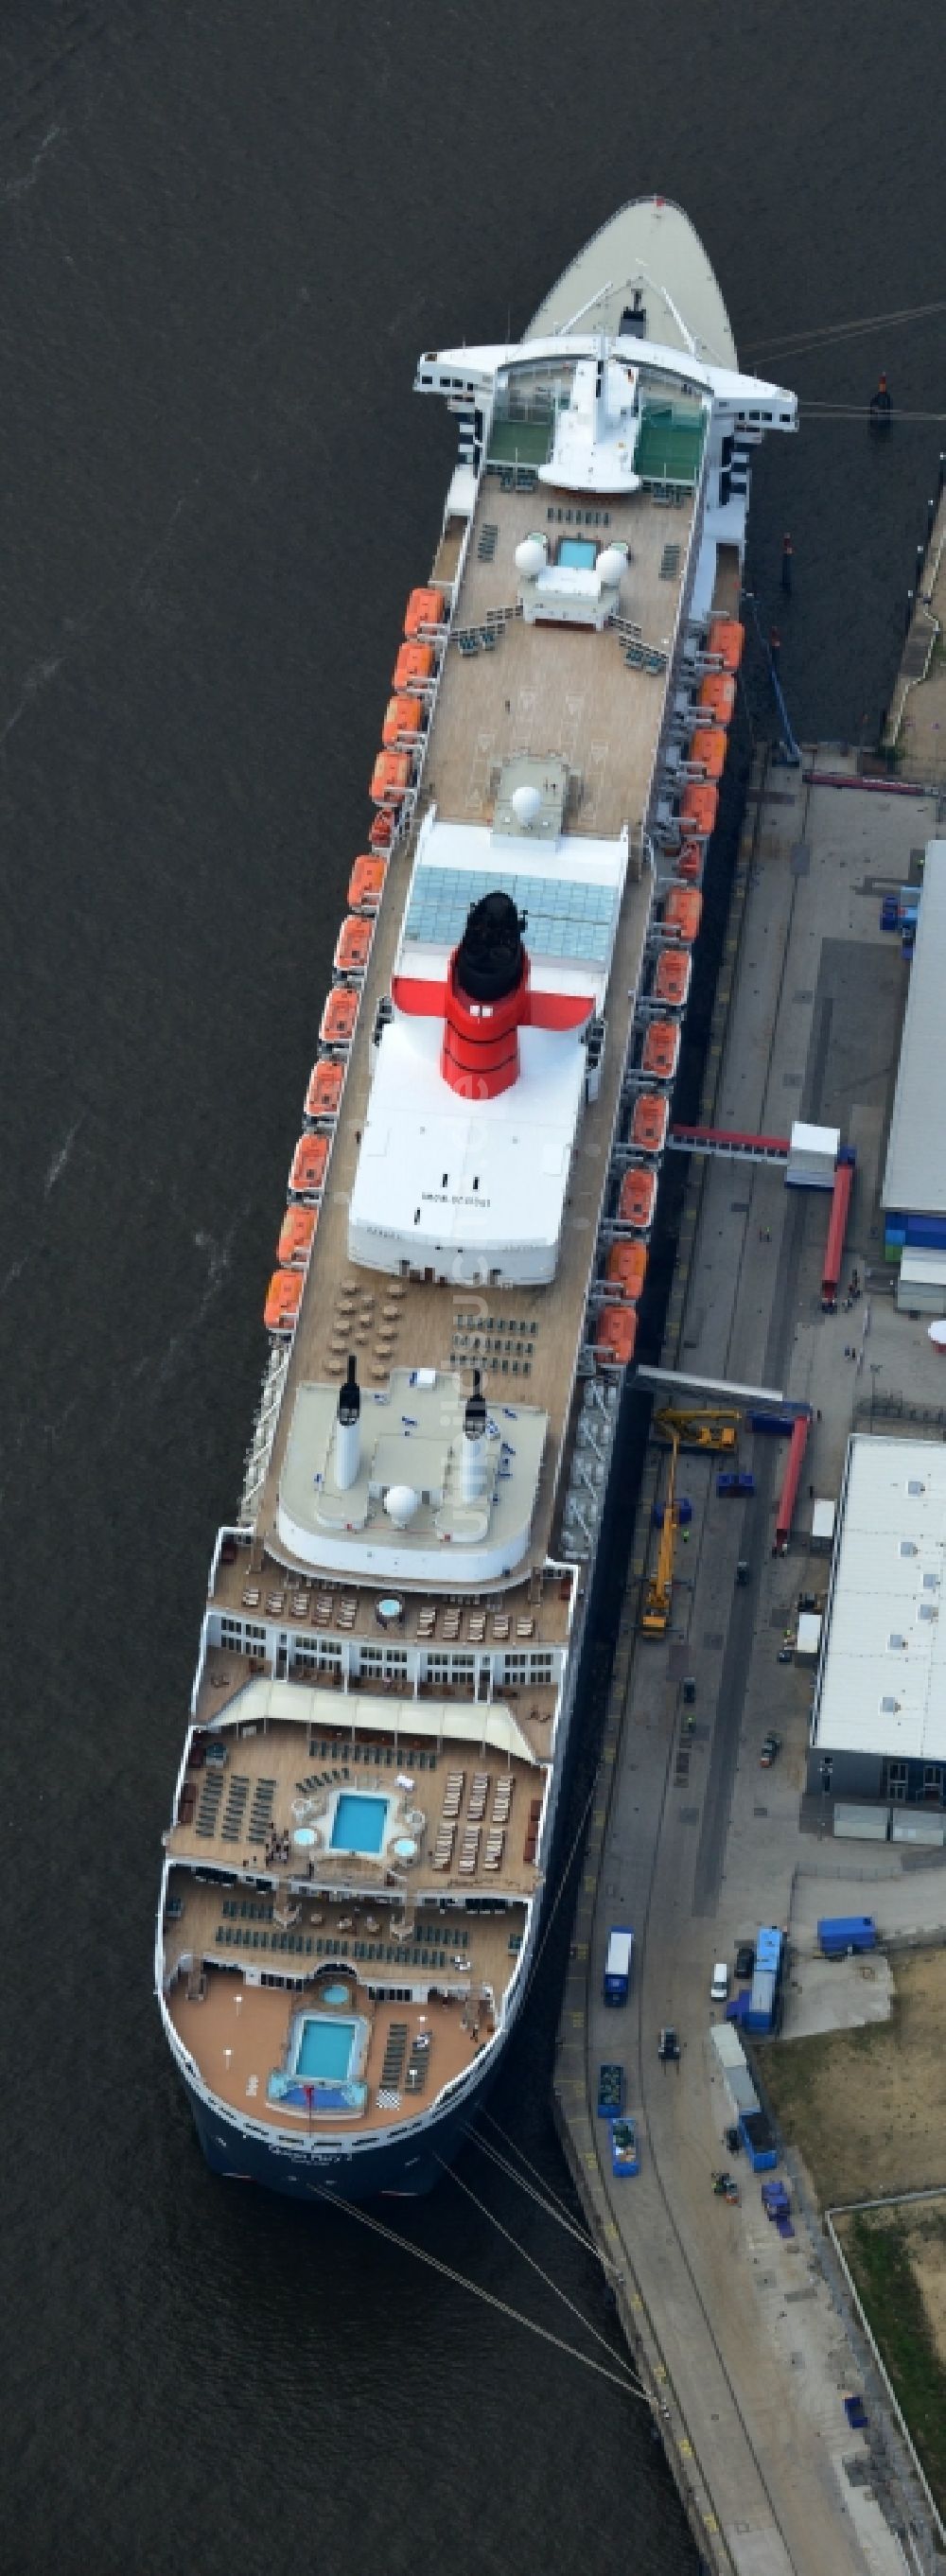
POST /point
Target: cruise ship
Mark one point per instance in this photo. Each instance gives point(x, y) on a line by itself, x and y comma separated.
point(356, 1872)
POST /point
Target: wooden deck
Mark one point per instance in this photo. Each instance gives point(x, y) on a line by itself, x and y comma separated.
point(556, 688)
point(238, 2032)
point(279, 1756)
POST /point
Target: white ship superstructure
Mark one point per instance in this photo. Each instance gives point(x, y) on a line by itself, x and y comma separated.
point(356, 1867)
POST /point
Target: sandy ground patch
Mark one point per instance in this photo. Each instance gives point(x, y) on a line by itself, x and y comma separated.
point(866, 2109)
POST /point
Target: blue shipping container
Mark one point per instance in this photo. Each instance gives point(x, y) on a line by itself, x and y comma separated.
point(839, 1933)
point(768, 1948)
point(758, 2140)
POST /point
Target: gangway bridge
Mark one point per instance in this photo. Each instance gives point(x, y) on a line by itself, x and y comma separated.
point(729, 1144)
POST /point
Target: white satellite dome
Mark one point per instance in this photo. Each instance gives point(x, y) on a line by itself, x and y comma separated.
point(612, 562)
point(401, 1502)
point(526, 805)
point(531, 556)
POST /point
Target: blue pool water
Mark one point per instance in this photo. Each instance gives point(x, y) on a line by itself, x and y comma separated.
point(325, 2049)
point(358, 1824)
point(579, 552)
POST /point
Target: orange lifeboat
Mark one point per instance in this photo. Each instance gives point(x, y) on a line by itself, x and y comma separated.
point(424, 608)
point(636, 1200)
point(307, 1168)
point(615, 1334)
point(726, 640)
point(404, 716)
point(325, 1090)
point(650, 1122)
point(625, 1269)
point(282, 1302)
point(381, 834)
point(708, 751)
point(672, 979)
point(353, 945)
point(661, 1049)
point(391, 777)
point(682, 910)
point(366, 883)
point(295, 1237)
point(337, 1024)
point(415, 663)
point(698, 805)
point(718, 696)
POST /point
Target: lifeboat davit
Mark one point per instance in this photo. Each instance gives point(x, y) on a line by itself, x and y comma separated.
point(415, 664)
point(636, 1198)
point(295, 1236)
point(650, 1121)
point(726, 640)
point(366, 883)
point(707, 751)
point(682, 910)
point(717, 696)
point(662, 1049)
point(307, 1168)
point(424, 608)
point(282, 1302)
point(404, 720)
point(615, 1334)
point(626, 1268)
point(325, 1091)
point(337, 1024)
point(391, 777)
point(672, 979)
point(381, 834)
point(353, 946)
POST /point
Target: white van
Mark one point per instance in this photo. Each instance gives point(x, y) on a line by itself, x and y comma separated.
point(720, 1986)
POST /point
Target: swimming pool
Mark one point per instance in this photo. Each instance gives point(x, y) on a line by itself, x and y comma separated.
point(358, 1824)
point(325, 2049)
point(580, 552)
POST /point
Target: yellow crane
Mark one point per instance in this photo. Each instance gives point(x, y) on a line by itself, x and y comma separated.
point(714, 1427)
point(659, 1591)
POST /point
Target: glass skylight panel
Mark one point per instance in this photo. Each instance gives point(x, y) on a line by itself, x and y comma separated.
point(564, 919)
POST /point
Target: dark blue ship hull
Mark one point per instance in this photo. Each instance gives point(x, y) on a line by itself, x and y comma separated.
point(406, 2166)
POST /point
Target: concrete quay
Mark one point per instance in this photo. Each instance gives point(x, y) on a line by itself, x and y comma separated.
point(745, 2342)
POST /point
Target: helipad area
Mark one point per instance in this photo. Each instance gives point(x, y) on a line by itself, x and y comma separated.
point(880, 1697)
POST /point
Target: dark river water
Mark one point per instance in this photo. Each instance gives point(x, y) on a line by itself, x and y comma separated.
point(227, 230)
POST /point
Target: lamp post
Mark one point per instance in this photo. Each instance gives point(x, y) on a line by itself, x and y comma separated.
point(875, 1367)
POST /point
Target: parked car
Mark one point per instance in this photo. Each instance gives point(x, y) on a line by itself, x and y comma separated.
point(745, 1959)
point(720, 1985)
point(771, 1745)
point(668, 2046)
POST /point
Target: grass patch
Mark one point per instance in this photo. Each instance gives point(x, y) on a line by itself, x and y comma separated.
point(803, 2077)
point(878, 2253)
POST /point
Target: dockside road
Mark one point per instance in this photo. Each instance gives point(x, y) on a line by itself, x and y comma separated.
point(740, 2336)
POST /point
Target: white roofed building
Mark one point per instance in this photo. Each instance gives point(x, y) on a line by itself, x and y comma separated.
point(879, 1718)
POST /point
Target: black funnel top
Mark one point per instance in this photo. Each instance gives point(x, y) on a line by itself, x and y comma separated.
point(489, 958)
point(349, 1399)
point(474, 1419)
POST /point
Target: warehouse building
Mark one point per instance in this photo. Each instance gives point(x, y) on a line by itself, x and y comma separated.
point(879, 1710)
point(914, 1192)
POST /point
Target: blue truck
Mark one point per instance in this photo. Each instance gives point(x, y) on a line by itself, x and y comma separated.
point(617, 1966)
point(625, 2153)
point(610, 2091)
